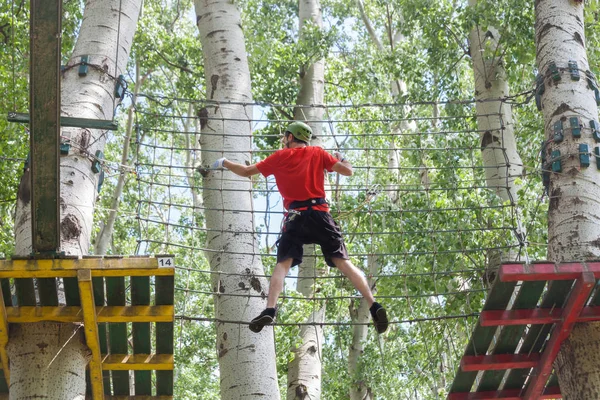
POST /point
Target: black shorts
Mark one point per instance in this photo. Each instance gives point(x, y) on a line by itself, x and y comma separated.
point(308, 227)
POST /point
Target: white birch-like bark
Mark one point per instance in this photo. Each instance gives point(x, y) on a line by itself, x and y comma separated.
point(105, 35)
point(47, 361)
point(574, 210)
point(246, 359)
point(304, 371)
point(495, 122)
point(104, 238)
point(398, 89)
point(359, 388)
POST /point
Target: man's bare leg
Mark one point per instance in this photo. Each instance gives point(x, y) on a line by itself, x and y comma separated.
point(360, 283)
point(356, 277)
point(276, 285)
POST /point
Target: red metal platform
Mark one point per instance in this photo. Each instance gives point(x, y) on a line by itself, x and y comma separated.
point(516, 341)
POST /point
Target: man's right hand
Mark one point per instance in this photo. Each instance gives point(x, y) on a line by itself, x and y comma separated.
point(219, 163)
point(339, 156)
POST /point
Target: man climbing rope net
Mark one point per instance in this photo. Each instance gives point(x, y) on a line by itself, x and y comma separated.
point(298, 170)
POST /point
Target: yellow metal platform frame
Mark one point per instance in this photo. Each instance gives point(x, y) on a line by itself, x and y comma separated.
point(91, 314)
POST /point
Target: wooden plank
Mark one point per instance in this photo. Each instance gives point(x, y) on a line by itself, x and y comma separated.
point(142, 344)
point(104, 314)
point(502, 362)
point(95, 273)
point(104, 124)
point(547, 271)
point(6, 295)
point(25, 291)
point(4, 339)
point(72, 292)
point(99, 301)
point(60, 264)
point(47, 291)
point(91, 332)
point(511, 394)
point(508, 340)
point(44, 127)
point(164, 295)
point(536, 336)
point(482, 336)
point(137, 362)
point(537, 316)
point(540, 374)
point(117, 333)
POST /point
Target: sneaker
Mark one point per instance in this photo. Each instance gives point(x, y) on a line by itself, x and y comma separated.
point(265, 318)
point(379, 317)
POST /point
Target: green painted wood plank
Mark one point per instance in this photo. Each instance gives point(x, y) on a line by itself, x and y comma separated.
point(104, 124)
point(481, 338)
point(165, 295)
point(48, 292)
point(508, 340)
point(6, 293)
point(25, 291)
point(3, 385)
point(72, 292)
point(44, 101)
point(140, 295)
point(536, 337)
point(117, 333)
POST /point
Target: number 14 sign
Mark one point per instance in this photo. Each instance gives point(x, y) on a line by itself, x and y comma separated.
point(165, 262)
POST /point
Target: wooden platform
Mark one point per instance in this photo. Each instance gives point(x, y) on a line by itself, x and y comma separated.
point(516, 361)
point(118, 299)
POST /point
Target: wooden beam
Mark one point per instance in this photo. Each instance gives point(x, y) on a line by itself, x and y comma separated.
point(579, 295)
point(44, 103)
point(22, 315)
point(138, 362)
point(65, 273)
point(547, 271)
point(4, 339)
point(499, 362)
point(103, 124)
point(509, 394)
point(84, 278)
point(538, 316)
point(62, 264)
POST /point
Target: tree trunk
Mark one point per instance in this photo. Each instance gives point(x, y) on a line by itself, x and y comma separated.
point(246, 359)
point(398, 89)
point(104, 237)
point(501, 160)
point(359, 388)
point(574, 210)
point(47, 360)
point(304, 371)
point(105, 35)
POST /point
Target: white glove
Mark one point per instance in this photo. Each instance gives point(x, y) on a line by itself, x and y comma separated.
point(219, 163)
point(339, 156)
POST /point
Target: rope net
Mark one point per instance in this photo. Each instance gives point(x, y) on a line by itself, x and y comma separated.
point(418, 217)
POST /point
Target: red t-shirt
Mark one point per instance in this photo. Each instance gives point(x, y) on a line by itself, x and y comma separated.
point(299, 173)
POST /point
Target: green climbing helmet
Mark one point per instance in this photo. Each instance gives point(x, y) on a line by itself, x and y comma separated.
point(300, 130)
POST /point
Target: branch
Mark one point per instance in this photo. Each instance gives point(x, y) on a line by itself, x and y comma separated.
point(368, 25)
point(184, 69)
